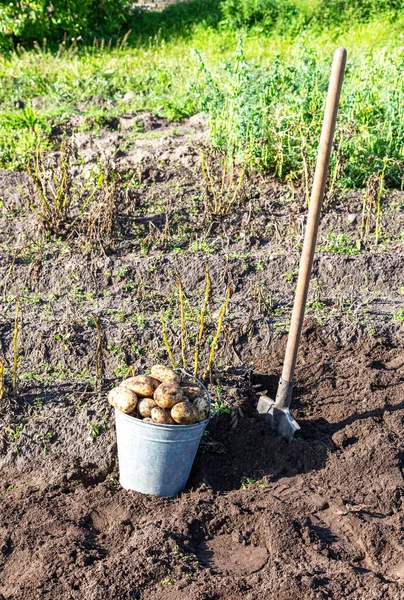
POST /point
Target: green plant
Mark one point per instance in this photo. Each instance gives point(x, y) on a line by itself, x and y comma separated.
point(340, 243)
point(398, 315)
point(45, 438)
point(246, 482)
point(258, 116)
point(219, 405)
point(29, 22)
point(16, 433)
point(95, 430)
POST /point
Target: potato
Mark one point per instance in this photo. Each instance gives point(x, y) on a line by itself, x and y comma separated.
point(143, 385)
point(168, 394)
point(203, 407)
point(192, 391)
point(123, 399)
point(145, 406)
point(165, 374)
point(161, 416)
point(185, 413)
point(148, 420)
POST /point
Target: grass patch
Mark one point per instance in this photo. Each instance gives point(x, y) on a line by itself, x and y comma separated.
point(264, 95)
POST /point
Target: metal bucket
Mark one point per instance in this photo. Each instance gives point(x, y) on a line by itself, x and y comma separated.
point(156, 459)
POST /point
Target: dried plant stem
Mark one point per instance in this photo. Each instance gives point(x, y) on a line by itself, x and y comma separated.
point(208, 179)
point(379, 201)
point(131, 372)
point(99, 354)
point(166, 342)
point(182, 305)
point(230, 203)
point(224, 191)
point(15, 347)
point(218, 330)
point(17, 253)
point(202, 322)
point(2, 387)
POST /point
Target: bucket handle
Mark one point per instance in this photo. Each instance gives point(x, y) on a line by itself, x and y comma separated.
point(183, 372)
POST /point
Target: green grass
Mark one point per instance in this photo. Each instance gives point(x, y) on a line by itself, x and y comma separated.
point(264, 95)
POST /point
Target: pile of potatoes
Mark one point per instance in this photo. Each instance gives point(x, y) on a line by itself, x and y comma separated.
point(161, 398)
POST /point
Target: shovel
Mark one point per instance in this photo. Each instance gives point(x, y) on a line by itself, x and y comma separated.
point(277, 413)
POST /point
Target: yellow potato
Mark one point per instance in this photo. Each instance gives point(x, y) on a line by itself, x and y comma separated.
point(123, 399)
point(162, 416)
point(165, 374)
point(142, 385)
point(192, 391)
point(185, 413)
point(148, 420)
point(203, 407)
point(145, 406)
point(168, 394)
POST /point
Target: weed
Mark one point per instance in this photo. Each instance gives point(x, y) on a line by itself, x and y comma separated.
point(16, 433)
point(398, 315)
point(95, 430)
point(219, 405)
point(38, 405)
point(45, 438)
point(246, 482)
point(340, 243)
point(291, 276)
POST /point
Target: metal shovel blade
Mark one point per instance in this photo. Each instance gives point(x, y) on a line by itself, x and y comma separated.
point(280, 419)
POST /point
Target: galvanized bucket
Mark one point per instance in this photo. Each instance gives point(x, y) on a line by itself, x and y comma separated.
point(156, 459)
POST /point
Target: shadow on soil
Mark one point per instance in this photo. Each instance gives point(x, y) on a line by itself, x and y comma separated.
point(251, 451)
point(174, 21)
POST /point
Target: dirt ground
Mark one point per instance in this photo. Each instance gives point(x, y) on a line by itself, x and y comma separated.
point(320, 517)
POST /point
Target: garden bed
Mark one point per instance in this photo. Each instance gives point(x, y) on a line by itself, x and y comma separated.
point(320, 517)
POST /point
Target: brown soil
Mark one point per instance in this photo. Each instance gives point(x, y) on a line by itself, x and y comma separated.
point(321, 517)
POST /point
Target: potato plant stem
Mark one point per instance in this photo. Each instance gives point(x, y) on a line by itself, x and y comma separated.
point(182, 305)
point(15, 347)
point(2, 387)
point(218, 330)
point(166, 342)
point(202, 321)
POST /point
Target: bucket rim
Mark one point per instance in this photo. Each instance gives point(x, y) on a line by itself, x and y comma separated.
point(160, 426)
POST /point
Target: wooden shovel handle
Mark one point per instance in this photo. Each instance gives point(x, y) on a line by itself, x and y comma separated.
point(313, 218)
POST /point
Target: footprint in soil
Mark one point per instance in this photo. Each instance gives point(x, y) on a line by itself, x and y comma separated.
point(224, 555)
